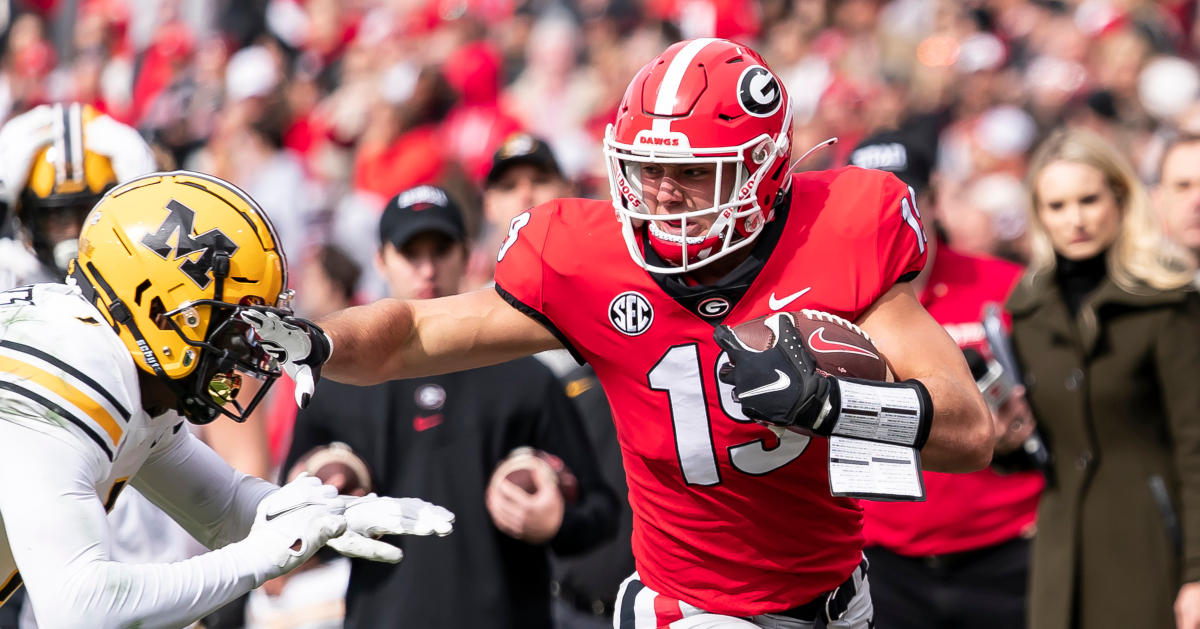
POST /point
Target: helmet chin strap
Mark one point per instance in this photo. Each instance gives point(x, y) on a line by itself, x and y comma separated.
point(194, 410)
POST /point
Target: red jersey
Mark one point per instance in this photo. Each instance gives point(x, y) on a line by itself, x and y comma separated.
point(727, 516)
point(962, 511)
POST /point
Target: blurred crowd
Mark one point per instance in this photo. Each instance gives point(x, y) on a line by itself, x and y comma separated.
point(324, 110)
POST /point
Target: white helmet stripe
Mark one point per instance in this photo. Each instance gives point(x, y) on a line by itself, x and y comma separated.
point(75, 140)
point(59, 129)
point(669, 88)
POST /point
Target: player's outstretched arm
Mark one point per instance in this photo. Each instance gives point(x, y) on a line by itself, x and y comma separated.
point(917, 347)
point(392, 339)
point(219, 505)
point(58, 532)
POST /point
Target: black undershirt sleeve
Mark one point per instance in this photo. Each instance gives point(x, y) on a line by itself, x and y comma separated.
point(908, 277)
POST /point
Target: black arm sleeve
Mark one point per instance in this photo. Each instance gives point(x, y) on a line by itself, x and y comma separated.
point(592, 519)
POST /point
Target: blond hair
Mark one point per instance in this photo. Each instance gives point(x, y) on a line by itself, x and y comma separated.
point(1140, 256)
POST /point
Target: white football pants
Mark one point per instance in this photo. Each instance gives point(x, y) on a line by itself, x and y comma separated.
point(859, 615)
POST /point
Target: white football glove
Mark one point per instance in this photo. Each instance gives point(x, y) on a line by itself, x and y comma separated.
point(294, 522)
point(122, 144)
point(22, 137)
point(371, 516)
point(298, 344)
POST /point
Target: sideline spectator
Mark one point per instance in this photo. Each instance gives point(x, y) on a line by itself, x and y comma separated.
point(443, 436)
point(1177, 195)
point(1108, 336)
point(961, 558)
point(524, 174)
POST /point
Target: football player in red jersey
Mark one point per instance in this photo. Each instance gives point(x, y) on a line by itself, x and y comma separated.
point(734, 523)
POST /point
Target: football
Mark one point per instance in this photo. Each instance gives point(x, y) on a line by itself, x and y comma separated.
point(336, 464)
point(521, 464)
point(841, 348)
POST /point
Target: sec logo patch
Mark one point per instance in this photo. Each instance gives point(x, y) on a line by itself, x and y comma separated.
point(630, 313)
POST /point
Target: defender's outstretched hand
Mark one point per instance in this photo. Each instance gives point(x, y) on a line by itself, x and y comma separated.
point(371, 516)
point(292, 523)
point(300, 346)
point(779, 386)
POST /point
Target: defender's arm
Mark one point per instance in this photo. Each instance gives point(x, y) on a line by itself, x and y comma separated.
point(58, 532)
point(392, 339)
point(199, 490)
point(917, 347)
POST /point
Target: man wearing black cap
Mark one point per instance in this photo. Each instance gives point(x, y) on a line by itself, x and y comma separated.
point(422, 242)
point(443, 436)
point(524, 174)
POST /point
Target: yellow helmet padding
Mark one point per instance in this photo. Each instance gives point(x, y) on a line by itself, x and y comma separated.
point(156, 237)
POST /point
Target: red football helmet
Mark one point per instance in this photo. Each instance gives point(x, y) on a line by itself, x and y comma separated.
point(702, 101)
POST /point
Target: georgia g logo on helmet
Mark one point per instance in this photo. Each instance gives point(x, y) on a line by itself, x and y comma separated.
point(758, 92)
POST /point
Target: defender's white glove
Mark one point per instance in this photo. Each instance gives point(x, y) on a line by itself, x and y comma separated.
point(21, 138)
point(298, 344)
point(122, 144)
point(294, 522)
point(372, 516)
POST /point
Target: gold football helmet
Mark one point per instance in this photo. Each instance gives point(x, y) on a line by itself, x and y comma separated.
point(171, 259)
point(65, 181)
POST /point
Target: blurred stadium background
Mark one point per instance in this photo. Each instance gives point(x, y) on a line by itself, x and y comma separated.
point(324, 109)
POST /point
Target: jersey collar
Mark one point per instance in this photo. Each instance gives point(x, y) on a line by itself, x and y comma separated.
point(713, 303)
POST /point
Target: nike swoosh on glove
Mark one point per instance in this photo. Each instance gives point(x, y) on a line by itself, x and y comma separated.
point(299, 345)
point(779, 386)
point(294, 522)
point(371, 516)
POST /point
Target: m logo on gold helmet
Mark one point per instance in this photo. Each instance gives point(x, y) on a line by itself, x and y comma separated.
point(210, 244)
point(172, 287)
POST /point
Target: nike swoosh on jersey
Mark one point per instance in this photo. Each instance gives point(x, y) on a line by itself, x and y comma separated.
point(782, 383)
point(272, 516)
point(819, 344)
point(776, 304)
point(421, 424)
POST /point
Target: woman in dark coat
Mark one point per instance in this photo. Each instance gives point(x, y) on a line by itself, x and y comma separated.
point(1107, 330)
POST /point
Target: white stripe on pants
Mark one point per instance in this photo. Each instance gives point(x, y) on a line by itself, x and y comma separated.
point(859, 615)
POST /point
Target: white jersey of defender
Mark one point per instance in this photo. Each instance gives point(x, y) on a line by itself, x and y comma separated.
point(64, 372)
point(72, 434)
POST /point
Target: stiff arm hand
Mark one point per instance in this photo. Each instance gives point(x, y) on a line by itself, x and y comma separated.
point(298, 344)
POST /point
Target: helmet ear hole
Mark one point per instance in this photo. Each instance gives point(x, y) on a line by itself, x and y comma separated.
point(158, 314)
